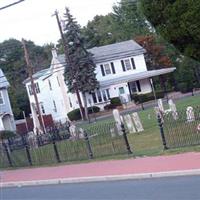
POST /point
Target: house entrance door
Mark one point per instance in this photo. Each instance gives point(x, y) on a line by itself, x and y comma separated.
point(132, 89)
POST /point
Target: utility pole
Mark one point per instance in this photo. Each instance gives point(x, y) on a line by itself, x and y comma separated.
point(30, 72)
point(68, 62)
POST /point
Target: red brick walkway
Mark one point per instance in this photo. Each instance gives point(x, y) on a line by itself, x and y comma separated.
point(187, 161)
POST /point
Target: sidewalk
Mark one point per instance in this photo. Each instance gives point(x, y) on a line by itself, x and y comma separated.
point(160, 166)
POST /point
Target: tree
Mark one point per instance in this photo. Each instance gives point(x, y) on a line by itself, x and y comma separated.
point(125, 22)
point(129, 20)
point(178, 22)
point(156, 57)
point(81, 67)
point(13, 65)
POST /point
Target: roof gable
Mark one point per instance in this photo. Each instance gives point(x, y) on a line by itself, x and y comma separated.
point(116, 51)
point(3, 80)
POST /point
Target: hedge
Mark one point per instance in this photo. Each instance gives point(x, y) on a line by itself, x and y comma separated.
point(115, 101)
point(141, 98)
point(76, 114)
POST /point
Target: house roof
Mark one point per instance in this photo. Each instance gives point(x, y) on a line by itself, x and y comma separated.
point(3, 80)
point(116, 51)
point(137, 76)
point(101, 54)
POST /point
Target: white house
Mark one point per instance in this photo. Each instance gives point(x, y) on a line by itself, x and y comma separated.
point(6, 115)
point(120, 69)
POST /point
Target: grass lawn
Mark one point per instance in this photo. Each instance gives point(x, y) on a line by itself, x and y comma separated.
point(148, 142)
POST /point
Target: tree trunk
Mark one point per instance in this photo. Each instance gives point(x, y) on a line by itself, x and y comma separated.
point(85, 105)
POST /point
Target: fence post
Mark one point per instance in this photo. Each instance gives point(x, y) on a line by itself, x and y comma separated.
point(90, 153)
point(160, 123)
point(126, 139)
point(7, 154)
point(56, 151)
point(27, 150)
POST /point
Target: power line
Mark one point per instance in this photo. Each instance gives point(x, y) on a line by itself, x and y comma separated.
point(12, 4)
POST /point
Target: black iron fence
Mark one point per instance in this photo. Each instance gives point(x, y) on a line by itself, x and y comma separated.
point(180, 128)
point(62, 145)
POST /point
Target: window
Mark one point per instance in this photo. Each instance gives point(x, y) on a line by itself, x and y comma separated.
point(138, 86)
point(104, 95)
point(50, 87)
point(121, 90)
point(70, 103)
point(42, 108)
point(30, 90)
point(58, 81)
point(127, 64)
point(99, 96)
point(1, 98)
point(37, 88)
point(94, 97)
point(54, 105)
point(108, 93)
point(107, 69)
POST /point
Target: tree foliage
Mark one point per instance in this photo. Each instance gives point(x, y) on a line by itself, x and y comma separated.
point(178, 22)
point(13, 64)
point(125, 22)
point(81, 67)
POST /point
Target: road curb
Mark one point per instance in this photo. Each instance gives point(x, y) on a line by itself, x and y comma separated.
point(102, 178)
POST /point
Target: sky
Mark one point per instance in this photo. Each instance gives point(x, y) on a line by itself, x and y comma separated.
point(33, 20)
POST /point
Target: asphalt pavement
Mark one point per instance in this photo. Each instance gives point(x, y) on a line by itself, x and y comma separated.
point(173, 188)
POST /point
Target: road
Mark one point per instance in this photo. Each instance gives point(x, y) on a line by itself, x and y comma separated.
point(173, 188)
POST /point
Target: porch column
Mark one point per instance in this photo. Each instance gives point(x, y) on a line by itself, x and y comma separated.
point(1, 124)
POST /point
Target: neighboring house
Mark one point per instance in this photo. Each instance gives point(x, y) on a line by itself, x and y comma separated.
point(6, 115)
point(120, 69)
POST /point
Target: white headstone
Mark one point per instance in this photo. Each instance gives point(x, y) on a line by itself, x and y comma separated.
point(129, 123)
point(112, 132)
point(172, 107)
point(72, 130)
point(190, 114)
point(137, 122)
point(81, 133)
point(32, 140)
point(160, 106)
point(118, 121)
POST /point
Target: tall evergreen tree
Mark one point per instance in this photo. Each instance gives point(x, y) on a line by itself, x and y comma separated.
point(82, 68)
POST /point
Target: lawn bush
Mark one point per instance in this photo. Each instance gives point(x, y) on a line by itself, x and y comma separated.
point(115, 101)
point(76, 114)
point(109, 107)
point(141, 98)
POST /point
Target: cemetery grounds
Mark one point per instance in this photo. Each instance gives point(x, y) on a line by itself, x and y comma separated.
point(102, 145)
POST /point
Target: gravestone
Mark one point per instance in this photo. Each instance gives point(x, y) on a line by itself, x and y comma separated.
point(81, 133)
point(32, 140)
point(190, 114)
point(160, 106)
point(129, 123)
point(173, 110)
point(112, 132)
point(137, 122)
point(118, 120)
point(72, 130)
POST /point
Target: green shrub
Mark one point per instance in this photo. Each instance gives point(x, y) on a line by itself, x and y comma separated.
point(141, 98)
point(94, 109)
point(109, 107)
point(76, 114)
point(5, 134)
point(184, 87)
point(115, 101)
